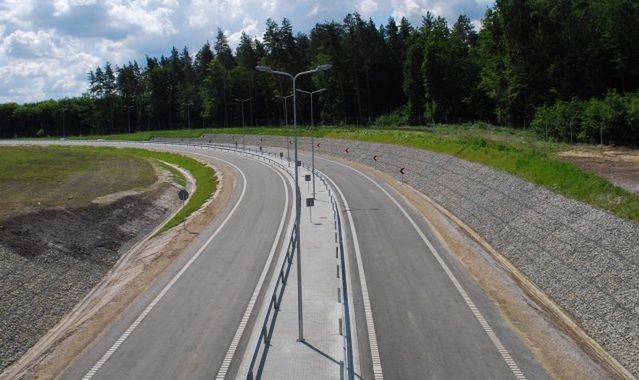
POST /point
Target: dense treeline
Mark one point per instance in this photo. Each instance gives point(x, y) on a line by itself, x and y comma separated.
point(529, 55)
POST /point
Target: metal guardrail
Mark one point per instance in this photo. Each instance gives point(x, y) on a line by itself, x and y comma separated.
point(266, 332)
point(347, 370)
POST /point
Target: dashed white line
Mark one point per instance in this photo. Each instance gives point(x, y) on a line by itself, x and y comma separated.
point(226, 363)
point(512, 365)
point(96, 367)
point(378, 374)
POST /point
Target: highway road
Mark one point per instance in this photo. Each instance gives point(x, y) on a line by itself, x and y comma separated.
point(419, 314)
point(430, 319)
point(183, 326)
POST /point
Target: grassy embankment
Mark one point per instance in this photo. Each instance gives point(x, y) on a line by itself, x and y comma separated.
point(517, 152)
point(205, 180)
point(33, 177)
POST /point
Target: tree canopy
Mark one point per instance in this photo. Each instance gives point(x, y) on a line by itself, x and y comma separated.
point(529, 54)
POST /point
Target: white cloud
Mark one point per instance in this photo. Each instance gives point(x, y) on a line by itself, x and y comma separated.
point(151, 21)
point(249, 26)
point(63, 6)
point(48, 46)
point(29, 44)
point(449, 9)
point(367, 7)
point(15, 12)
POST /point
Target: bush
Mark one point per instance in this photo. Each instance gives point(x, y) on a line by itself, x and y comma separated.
point(613, 119)
point(398, 118)
point(561, 121)
point(632, 117)
point(606, 119)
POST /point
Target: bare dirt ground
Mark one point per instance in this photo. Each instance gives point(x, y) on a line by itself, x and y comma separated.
point(619, 165)
point(50, 258)
point(134, 272)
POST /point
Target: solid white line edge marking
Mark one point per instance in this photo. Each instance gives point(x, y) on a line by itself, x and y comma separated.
point(96, 367)
point(226, 363)
point(512, 365)
point(378, 374)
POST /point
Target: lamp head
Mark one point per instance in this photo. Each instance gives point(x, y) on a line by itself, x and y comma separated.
point(324, 67)
point(264, 68)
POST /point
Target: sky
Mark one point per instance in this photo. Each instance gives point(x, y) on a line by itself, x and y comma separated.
point(48, 47)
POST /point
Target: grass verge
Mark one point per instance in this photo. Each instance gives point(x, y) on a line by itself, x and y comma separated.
point(205, 178)
point(47, 176)
point(178, 177)
point(517, 152)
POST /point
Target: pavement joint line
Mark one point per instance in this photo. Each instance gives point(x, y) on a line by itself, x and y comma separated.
point(378, 373)
point(107, 355)
point(223, 371)
point(460, 289)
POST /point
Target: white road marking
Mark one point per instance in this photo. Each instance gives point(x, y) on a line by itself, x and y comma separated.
point(96, 367)
point(226, 363)
point(460, 289)
point(378, 374)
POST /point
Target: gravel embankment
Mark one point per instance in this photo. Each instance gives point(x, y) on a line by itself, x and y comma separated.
point(586, 259)
point(50, 259)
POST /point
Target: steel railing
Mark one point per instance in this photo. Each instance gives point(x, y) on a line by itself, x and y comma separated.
point(268, 326)
point(256, 366)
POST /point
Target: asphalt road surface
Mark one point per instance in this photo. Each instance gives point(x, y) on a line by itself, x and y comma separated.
point(187, 332)
point(424, 325)
point(427, 317)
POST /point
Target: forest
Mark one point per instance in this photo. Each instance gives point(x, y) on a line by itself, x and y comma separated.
point(569, 69)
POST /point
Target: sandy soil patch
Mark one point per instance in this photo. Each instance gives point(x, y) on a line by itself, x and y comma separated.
point(619, 166)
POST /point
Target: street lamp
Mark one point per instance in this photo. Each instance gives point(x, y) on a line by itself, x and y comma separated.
point(298, 203)
point(288, 147)
point(64, 131)
point(312, 137)
point(188, 113)
point(128, 117)
point(243, 133)
point(284, 99)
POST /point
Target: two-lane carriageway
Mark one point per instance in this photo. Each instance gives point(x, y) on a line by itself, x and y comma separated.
point(419, 313)
point(186, 325)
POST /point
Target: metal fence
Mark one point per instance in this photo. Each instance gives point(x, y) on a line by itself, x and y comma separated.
point(260, 352)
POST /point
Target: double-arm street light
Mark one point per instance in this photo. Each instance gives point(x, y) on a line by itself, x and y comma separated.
point(288, 145)
point(188, 114)
point(243, 133)
point(128, 117)
point(64, 127)
point(312, 137)
point(298, 201)
point(284, 99)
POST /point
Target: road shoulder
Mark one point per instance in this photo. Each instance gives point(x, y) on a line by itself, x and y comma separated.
point(145, 262)
point(509, 289)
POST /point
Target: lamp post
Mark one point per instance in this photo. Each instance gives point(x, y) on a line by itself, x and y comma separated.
point(298, 201)
point(188, 114)
point(64, 129)
point(243, 133)
point(284, 99)
point(288, 145)
point(128, 117)
point(312, 137)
